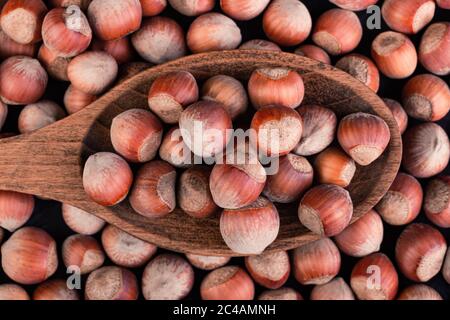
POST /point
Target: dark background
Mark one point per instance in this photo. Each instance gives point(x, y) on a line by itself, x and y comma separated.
point(47, 213)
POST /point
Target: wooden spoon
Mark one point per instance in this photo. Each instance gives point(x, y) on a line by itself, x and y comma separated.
point(49, 162)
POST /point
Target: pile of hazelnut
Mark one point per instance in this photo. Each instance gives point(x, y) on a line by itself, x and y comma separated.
point(204, 129)
point(90, 45)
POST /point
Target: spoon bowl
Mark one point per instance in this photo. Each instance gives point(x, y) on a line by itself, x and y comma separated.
point(49, 162)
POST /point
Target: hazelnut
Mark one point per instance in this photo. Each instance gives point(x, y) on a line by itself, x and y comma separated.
point(336, 289)
point(213, 32)
point(316, 262)
point(280, 294)
point(437, 201)
point(287, 22)
point(228, 91)
point(56, 290)
point(227, 283)
point(21, 20)
point(403, 201)
point(9, 292)
point(319, 128)
point(15, 209)
point(205, 127)
point(444, 4)
point(275, 86)
point(107, 178)
point(167, 277)
point(420, 252)
point(251, 229)
point(408, 17)
point(271, 270)
point(337, 31)
point(363, 237)
point(169, 94)
point(446, 267)
point(243, 9)
point(313, 52)
point(277, 130)
point(394, 54)
point(174, 151)
point(434, 48)
point(192, 7)
point(159, 40)
point(426, 150)
point(354, 5)
point(66, 31)
point(23, 80)
point(76, 100)
point(207, 262)
point(121, 49)
point(111, 283)
point(334, 166)
point(326, 210)
point(9, 47)
point(124, 249)
point(81, 221)
point(83, 252)
point(92, 72)
point(426, 97)
point(55, 65)
point(363, 136)
point(152, 8)
point(399, 114)
point(111, 19)
point(39, 115)
point(136, 135)
point(419, 292)
point(29, 256)
point(260, 44)
point(153, 193)
point(194, 195)
point(361, 68)
point(293, 178)
point(236, 185)
point(374, 278)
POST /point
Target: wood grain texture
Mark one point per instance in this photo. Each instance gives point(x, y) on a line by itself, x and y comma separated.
point(49, 162)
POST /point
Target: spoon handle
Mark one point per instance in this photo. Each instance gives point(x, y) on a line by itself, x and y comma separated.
point(41, 164)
